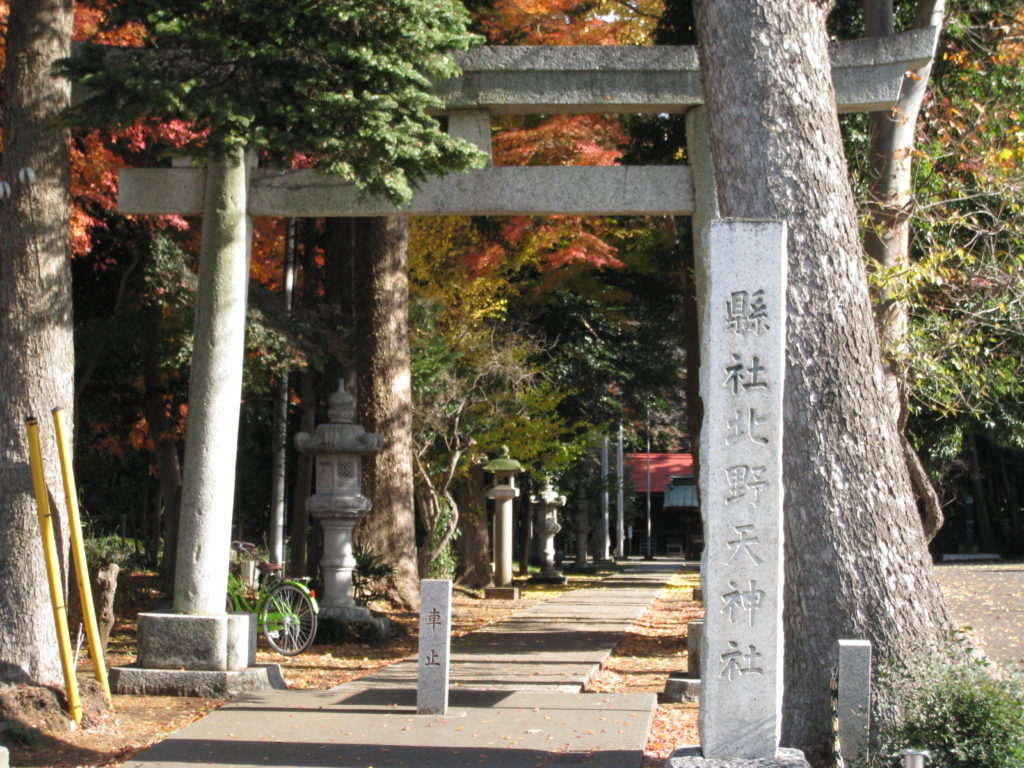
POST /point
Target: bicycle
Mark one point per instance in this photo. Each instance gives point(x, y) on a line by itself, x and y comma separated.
point(286, 609)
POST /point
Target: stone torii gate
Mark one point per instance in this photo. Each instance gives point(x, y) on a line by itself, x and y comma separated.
point(867, 75)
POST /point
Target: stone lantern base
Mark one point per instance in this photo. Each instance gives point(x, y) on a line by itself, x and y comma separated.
point(551, 577)
point(339, 624)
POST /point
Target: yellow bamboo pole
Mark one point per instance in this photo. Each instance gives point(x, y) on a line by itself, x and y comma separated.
point(99, 665)
point(60, 616)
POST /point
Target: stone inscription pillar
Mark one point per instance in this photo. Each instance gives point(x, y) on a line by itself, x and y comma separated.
point(741, 382)
point(434, 647)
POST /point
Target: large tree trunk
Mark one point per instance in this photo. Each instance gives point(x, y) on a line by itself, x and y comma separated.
point(856, 560)
point(474, 542)
point(37, 369)
point(385, 397)
point(298, 545)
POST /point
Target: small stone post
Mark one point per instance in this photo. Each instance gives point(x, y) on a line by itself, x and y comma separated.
point(548, 502)
point(434, 646)
point(338, 503)
point(503, 491)
point(854, 706)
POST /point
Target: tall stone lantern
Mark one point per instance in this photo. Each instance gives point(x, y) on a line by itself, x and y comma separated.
point(548, 501)
point(503, 491)
point(338, 446)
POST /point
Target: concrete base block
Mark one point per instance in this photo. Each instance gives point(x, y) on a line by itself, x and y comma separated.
point(241, 640)
point(692, 757)
point(202, 683)
point(501, 593)
point(679, 688)
point(185, 641)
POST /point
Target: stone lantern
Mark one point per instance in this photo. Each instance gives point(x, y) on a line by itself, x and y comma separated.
point(338, 447)
point(503, 491)
point(548, 501)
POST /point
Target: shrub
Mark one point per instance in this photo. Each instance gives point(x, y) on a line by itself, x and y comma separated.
point(369, 578)
point(130, 554)
point(965, 716)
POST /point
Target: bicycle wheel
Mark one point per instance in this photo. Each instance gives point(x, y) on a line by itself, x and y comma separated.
point(288, 619)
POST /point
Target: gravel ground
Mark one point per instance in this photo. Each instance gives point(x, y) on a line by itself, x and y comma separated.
point(988, 598)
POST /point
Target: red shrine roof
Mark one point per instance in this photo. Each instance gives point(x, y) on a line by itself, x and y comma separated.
point(664, 466)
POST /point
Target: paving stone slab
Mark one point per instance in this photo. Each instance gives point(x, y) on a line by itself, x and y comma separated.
point(380, 728)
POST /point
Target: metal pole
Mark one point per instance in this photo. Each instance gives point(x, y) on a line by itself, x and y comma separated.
point(620, 499)
point(649, 554)
point(60, 611)
point(603, 544)
point(99, 665)
point(280, 426)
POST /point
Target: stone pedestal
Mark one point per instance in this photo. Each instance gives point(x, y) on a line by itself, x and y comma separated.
point(337, 564)
point(338, 502)
point(501, 593)
point(192, 655)
point(691, 757)
point(503, 496)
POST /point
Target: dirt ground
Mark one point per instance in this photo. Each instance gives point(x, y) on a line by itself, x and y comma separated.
point(987, 599)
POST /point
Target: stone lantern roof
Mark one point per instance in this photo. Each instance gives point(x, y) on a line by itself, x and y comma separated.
point(504, 463)
point(340, 434)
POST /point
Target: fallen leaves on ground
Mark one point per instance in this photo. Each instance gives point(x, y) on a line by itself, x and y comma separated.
point(654, 647)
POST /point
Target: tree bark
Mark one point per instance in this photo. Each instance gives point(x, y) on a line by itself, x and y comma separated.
point(165, 442)
point(856, 563)
point(385, 398)
point(37, 369)
point(106, 588)
point(474, 543)
point(298, 545)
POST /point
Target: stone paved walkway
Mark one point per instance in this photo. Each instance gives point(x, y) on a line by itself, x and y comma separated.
point(515, 701)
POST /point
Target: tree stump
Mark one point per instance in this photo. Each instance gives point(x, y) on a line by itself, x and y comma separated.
point(106, 587)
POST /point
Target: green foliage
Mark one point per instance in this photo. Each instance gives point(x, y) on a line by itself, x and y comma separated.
point(127, 553)
point(443, 566)
point(964, 715)
point(369, 578)
point(347, 82)
point(964, 288)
